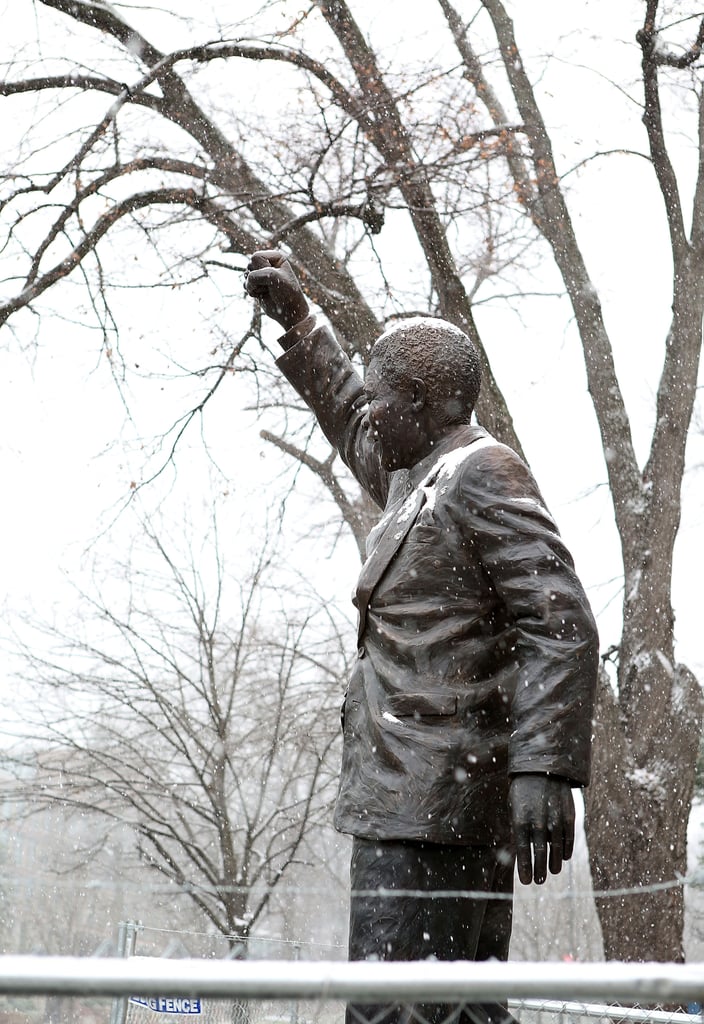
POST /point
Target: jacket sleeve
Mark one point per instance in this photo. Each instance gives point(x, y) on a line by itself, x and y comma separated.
point(325, 379)
point(556, 642)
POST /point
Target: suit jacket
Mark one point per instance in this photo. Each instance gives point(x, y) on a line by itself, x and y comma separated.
point(477, 649)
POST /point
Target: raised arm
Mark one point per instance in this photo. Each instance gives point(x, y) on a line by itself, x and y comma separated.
point(318, 369)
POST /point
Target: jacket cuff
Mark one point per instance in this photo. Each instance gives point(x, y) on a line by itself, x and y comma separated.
point(294, 334)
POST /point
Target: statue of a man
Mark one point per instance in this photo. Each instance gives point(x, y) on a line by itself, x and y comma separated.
point(468, 716)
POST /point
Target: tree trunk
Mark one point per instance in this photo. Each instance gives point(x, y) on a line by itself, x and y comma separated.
point(648, 730)
point(637, 814)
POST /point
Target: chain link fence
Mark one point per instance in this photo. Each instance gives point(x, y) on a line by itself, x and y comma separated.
point(321, 1011)
point(76, 1010)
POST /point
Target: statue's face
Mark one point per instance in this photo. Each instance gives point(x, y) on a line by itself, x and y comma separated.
point(393, 421)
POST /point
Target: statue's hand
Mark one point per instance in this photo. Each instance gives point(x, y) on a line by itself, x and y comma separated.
point(542, 811)
point(270, 279)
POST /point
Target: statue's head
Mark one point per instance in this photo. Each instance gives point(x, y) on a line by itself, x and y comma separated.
point(423, 378)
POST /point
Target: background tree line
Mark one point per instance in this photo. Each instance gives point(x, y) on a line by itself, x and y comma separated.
point(185, 723)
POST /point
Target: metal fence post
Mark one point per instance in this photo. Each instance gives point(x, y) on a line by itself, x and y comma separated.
point(126, 941)
point(294, 1005)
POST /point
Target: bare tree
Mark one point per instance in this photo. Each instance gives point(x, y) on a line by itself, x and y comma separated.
point(459, 154)
point(198, 720)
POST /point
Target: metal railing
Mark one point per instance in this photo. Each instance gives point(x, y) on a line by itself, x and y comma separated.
point(373, 982)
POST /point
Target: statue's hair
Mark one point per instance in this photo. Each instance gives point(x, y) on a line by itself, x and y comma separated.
point(441, 355)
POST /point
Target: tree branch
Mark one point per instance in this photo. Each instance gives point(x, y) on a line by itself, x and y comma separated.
point(489, 97)
point(324, 472)
point(697, 234)
point(80, 82)
point(327, 281)
point(685, 60)
point(167, 164)
point(550, 214)
point(139, 201)
point(652, 119)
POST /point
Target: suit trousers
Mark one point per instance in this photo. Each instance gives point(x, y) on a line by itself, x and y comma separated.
point(416, 926)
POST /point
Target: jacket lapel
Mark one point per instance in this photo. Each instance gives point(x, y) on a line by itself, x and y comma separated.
point(401, 520)
point(388, 544)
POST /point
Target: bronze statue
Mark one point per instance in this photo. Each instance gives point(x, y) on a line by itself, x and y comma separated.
point(468, 716)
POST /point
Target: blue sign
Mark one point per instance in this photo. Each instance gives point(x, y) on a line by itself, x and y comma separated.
point(168, 1004)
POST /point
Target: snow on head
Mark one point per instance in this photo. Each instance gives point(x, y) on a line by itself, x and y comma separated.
point(439, 354)
point(424, 323)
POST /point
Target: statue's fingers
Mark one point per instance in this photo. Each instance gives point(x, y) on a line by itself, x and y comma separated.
point(524, 858)
point(540, 856)
point(266, 258)
point(568, 821)
point(556, 855)
point(259, 282)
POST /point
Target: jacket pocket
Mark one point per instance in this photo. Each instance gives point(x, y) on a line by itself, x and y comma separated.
point(423, 704)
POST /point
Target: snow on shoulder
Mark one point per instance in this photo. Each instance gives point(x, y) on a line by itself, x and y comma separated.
point(448, 464)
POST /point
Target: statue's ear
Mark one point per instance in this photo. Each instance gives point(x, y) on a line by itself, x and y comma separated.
point(420, 394)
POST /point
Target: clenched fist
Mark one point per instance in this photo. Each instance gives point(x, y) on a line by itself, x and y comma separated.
point(270, 279)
